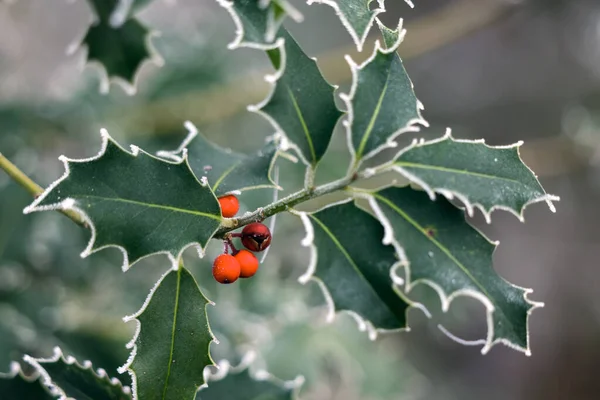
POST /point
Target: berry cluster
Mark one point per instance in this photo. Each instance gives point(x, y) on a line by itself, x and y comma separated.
point(256, 237)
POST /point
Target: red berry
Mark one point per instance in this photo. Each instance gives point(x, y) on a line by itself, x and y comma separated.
point(248, 263)
point(229, 205)
point(226, 269)
point(256, 236)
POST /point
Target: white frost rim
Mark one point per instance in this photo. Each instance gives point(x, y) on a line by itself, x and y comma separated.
point(193, 132)
point(138, 327)
point(272, 79)
point(359, 39)
point(451, 194)
point(362, 323)
point(130, 88)
point(70, 204)
point(224, 368)
point(59, 356)
point(271, 29)
point(446, 299)
point(347, 98)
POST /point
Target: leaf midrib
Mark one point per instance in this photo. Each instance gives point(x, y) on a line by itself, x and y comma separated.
point(367, 134)
point(176, 308)
point(454, 170)
point(304, 126)
point(150, 205)
point(443, 248)
point(350, 260)
point(225, 174)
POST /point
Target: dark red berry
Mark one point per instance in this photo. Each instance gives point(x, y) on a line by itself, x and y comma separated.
point(256, 236)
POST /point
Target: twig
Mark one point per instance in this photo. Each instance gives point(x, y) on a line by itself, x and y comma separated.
point(33, 188)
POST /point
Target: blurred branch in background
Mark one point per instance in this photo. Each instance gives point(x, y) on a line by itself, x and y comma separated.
point(33, 188)
point(426, 34)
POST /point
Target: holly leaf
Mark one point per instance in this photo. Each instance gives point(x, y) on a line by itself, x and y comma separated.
point(481, 176)
point(357, 16)
point(382, 103)
point(258, 21)
point(16, 386)
point(68, 379)
point(239, 383)
point(301, 105)
point(455, 259)
point(136, 202)
point(355, 269)
point(225, 170)
point(119, 43)
point(171, 346)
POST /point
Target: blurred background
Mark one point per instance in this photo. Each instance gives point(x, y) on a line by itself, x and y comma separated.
point(500, 70)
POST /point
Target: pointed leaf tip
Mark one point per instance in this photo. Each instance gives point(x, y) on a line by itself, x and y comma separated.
point(258, 22)
point(302, 104)
point(455, 259)
point(381, 104)
point(479, 175)
point(136, 202)
point(356, 16)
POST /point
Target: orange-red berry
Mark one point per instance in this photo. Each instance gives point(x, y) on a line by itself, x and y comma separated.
point(248, 263)
point(256, 236)
point(229, 205)
point(226, 269)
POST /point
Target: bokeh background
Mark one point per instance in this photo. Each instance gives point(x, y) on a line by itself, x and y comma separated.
point(500, 70)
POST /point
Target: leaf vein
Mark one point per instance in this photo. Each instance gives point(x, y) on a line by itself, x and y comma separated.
point(173, 332)
point(160, 206)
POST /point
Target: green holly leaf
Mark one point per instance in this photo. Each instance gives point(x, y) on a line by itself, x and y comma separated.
point(136, 202)
point(16, 386)
point(66, 378)
point(226, 171)
point(481, 176)
point(355, 269)
point(357, 16)
point(258, 21)
point(301, 105)
point(382, 103)
point(455, 259)
point(171, 346)
point(118, 43)
point(239, 383)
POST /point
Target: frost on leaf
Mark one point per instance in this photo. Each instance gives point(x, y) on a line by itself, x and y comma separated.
point(355, 266)
point(170, 348)
point(455, 259)
point(481, 176)
point(240, 382)
point(301, 105)
point(15, 385)
point(357, 16)
point(118, 42)
point(66, 378)
point(382, 103)
point(134, 201)
point(226, 170)
point(258, 21)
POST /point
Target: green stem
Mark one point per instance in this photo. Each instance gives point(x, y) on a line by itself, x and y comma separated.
point(19, 176)
point(285, 204)
point(33, 188)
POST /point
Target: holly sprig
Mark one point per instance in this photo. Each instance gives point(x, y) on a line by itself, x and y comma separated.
point(381, 243)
